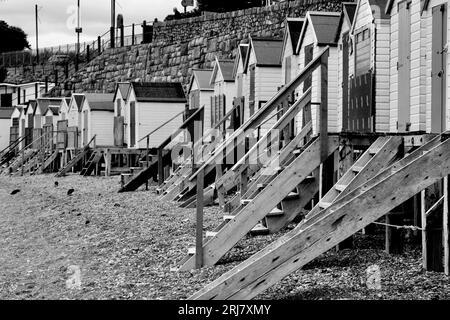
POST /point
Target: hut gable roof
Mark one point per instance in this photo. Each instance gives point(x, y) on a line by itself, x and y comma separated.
point(100, 101)
point(159, 92)
point(225, 68)
point(202, 78)
point(325, 26)
point(267, 51)
point(6, 113)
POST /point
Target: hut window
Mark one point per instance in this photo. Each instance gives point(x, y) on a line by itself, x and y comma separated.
point(362, 52)
point(15, 122)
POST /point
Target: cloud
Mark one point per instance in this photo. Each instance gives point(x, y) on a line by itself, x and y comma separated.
point(56, 17)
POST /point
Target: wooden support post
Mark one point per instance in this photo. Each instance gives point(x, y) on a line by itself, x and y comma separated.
point(423, 214)
point(107, 163)
point(243, 182)
point(446, 229)
point(199, 224)
point(147, 160)
point(394, 239)
point(160, 167)
point(220, 190)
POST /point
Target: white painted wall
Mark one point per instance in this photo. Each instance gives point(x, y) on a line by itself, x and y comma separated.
point(4, 133)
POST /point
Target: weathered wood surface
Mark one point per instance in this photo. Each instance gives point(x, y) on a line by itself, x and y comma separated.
point(358, 209)
point(266, 200)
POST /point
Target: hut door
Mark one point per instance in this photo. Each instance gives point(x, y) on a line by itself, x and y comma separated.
point(438, 71)
point(345, 66)
point(404, 66)
point(86, 128)
point(132, 124)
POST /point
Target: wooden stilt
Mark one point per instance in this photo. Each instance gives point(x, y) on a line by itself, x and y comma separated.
point(199, 224)
point(108, 163)
point(220, 190)
point(423, 214)
point(446, 229)
point(394, 240)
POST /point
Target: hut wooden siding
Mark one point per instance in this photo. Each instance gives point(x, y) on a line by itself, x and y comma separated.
point(417, 89)
point(307, 39)
point(427, 69)
point(370, 15)
point(55, 117)
point(347, 17)
point(98, 110)
point(5, 121)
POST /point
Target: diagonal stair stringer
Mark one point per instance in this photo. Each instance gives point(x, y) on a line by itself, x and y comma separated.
point(358, 209)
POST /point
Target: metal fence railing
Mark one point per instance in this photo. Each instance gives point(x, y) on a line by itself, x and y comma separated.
point(49, 62)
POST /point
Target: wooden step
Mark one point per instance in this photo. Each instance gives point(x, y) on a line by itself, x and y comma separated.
point(297, 151)
point(228, 217)
point(324, 205)
point(275, 213)
point(292, 196)
point(374, 151)
point(211, 234)
point(191, 251)
point(340, 187)
point(357, 169)
point(259, 229)
point(262, 185)
point(245, 202)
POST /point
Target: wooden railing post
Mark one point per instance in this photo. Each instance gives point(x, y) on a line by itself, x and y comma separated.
point(199, 221)
point(147, 159)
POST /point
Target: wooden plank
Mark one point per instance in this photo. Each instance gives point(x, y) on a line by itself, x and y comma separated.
point(199, 224)
point(446, 229)
point(266, 200)
point(423, 212)
point(302, 245)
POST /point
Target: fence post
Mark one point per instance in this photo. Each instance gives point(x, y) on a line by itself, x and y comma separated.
point(99, 45)
point(88, 55)
point(122, 36)
point(160, 167)
point(132, 35)
point(113, 37)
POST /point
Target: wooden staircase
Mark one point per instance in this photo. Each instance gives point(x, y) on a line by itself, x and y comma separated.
point(90, 165)
point(137, 176)
point(353, 209)
point(78, 157)
point(294, 182)
point(20, 159)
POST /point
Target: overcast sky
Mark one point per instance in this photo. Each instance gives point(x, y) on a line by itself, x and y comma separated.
point(58, 17)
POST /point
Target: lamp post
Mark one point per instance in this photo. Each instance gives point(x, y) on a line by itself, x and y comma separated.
point(78, 30)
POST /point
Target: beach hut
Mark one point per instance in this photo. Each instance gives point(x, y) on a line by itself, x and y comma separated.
point(435, 77)
point(320, 30)
point(97, 119)
point(152, 106)
point(370, 68)
point(289, 56)
point(224, 89)
point(121, 115)
point(200, 93)
point(242, 80)
point(344, 49)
